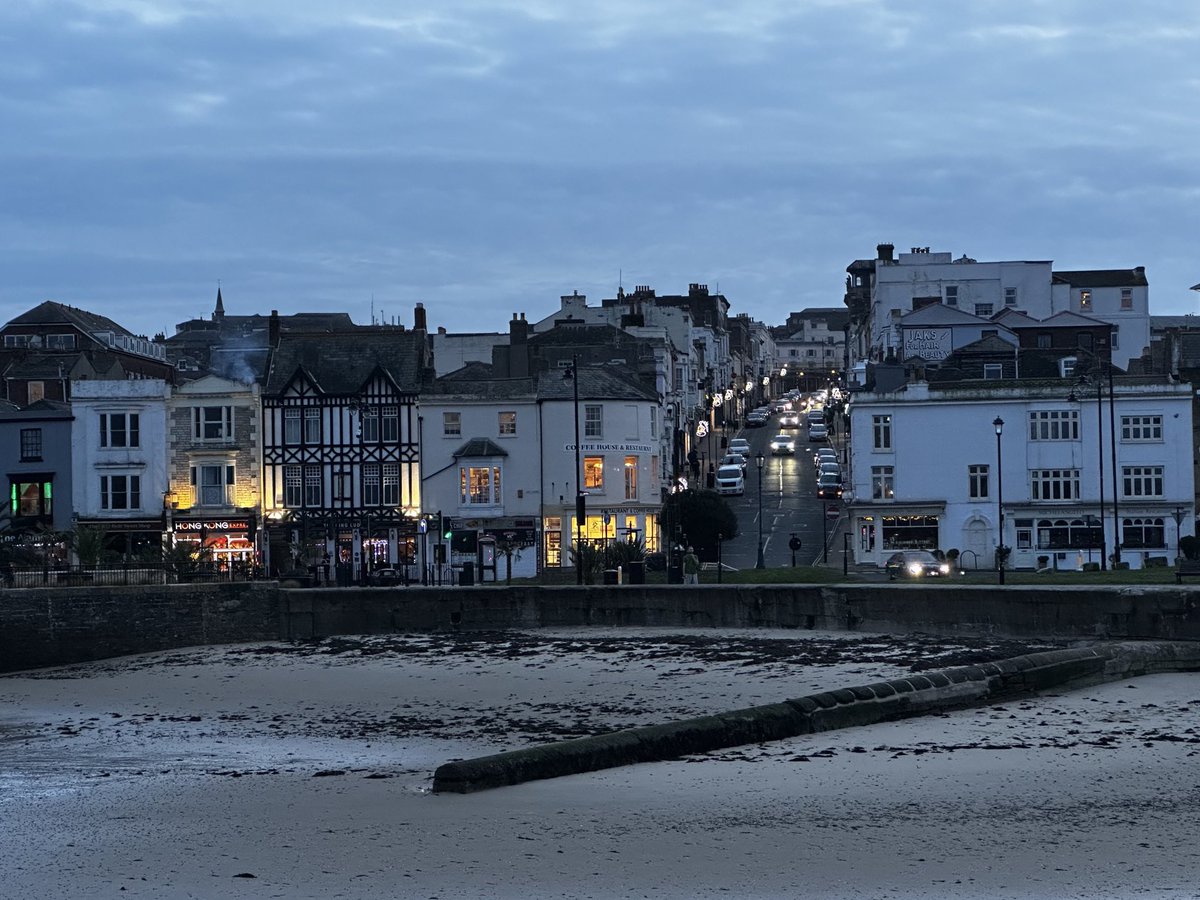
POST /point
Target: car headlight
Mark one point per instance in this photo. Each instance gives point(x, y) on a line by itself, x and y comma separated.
point(944, 569)
point(914, 568)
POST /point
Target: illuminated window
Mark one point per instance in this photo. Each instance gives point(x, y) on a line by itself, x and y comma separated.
point(508, 423)
point(553, 532)
point(31, 498)
point(593, 473)
point(479, 485)
point(1085, 300)
point(631, 477)
point(882, 486)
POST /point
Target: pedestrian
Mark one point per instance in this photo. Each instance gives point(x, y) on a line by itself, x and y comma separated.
point(691, 567)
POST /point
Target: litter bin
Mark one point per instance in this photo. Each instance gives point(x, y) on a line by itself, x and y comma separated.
point(467, 578)
point(637, 571)
point(675, 572)
point(610, 576)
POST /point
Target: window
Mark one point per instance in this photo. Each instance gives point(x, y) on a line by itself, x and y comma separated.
point(343, 484)
point(1142, 481)
point(984, 310)
point(31, 498)
point(291, 426)
point(810, 352)
point(60, 342)
point(1085, 300)
point(1126, 298)
point(1137, 533)
point(977, 478)
point(292, 486)
point(631, 477)
point(1010, 296)
point(312, 425)
point(882, 487)
point(119, 430)
point(212, 423)
point(31, 444)
point(993, 371)
point(508, 423)
point(451, 424)
point(391, 425)
point(368, 426)
point(1054, 484)
point(13, 341)
point(312, 484)
point(479, 485)
point(120, 492)
point(593, 472)
point(371, 493)
point(1064, 534)
point(391, 484)
point(1044, 341)
point(952, 295)
point(593, 421)
point(553, 532)
point(1066, 366)
point(653, 423)
point(1054, 425)
point(1116, 337)
point(214, 485)
point(35, 391)
point(1141, 428)
point(882, 428)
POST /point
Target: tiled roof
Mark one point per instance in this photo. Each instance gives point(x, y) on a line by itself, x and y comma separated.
point(341, 363)
point(1103, 277)
point(53, 313)
point(595, 383)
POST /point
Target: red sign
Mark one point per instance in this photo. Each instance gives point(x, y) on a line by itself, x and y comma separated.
point(832, 511)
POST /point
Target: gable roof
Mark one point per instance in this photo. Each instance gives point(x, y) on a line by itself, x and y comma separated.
point(940, 314)
point(1068, 319)
point(341, 363)
point(51, 312)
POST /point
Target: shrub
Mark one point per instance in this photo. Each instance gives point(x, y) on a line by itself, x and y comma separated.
point(1189, 546)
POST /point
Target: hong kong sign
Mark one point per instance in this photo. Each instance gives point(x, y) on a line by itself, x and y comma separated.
point(215, 525)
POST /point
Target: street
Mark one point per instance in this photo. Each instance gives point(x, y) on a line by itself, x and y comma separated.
point(789, 506)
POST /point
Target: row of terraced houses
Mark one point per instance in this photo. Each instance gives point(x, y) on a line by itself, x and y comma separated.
point(989, 405)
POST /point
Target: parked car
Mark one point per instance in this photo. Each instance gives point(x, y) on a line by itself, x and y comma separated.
point(740, 445)
point(829, 486)
point(915, 564)
point(732, 459)
point(824, 455)
point(829, 468)
point(817, 432)
point(385, 577)
point(784, 444)
point(731, 480)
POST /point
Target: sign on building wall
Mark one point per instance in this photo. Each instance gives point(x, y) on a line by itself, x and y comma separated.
point(928, 343)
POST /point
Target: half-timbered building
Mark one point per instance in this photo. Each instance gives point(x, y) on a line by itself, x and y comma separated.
point(341, 489)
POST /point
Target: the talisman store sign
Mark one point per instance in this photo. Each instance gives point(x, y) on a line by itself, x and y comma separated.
point(215, 525)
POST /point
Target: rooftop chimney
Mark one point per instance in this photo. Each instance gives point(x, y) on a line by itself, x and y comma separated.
point(885, 252)
point(273, 329)
point(419, 318)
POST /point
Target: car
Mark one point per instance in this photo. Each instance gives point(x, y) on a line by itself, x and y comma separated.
point(732, 459)
point(386, 577)
point(778, 406)
point(783, 443)
point(731, 480)
point(740, 445)
point(829, 468)
point(824, 455)
point(829, 486)
point(756, 419)
point(789, 420)
point(915, 564)
point(817, 432)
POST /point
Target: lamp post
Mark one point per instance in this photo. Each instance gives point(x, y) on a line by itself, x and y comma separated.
point(761, 563)
point(1099, 463)
point(580, 500)
point(998, 424)
point(1178, 514)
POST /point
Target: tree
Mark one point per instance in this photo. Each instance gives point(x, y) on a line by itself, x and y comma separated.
point(88, 544)
point(703, 518)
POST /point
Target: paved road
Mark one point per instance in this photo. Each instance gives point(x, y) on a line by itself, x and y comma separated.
point(789, 506)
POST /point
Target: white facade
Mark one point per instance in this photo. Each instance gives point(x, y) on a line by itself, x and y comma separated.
point(985, 288)
point(119, 457)
point(924, 466)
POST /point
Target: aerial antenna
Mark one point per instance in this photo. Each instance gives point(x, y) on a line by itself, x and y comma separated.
point(372, 307)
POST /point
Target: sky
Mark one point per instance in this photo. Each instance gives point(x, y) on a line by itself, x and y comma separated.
point(303, 771)
point(484, 158)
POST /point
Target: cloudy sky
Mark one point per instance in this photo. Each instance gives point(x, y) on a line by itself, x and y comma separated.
point(486, 156)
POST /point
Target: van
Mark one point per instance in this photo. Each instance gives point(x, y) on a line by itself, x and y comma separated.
point(730, 480)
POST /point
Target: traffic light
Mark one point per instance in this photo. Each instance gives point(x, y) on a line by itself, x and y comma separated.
point(447, 530)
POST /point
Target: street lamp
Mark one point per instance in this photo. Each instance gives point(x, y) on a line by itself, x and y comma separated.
point(1178, 514)
point(1083, 380)
point(580, 500)
point(761, 563)
point(998, 424)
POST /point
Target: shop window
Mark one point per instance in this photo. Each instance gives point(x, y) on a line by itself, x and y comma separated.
point(1144, 533)
point(31, 498)
point(553, 534)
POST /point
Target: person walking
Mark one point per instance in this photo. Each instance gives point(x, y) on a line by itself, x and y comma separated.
point(691, 567)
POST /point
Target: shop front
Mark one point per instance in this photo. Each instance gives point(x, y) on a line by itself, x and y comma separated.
point(602, 527)
point(879, 530)
point(340, 549)
point(128, 539)
point(228, 544)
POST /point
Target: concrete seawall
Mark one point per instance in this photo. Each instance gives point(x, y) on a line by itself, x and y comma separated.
point(884, 701)
point(57, 626)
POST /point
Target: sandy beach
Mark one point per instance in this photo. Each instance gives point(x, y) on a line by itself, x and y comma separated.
point(272, 770)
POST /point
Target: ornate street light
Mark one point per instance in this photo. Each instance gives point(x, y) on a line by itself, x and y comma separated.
point(580, 498)
point(761, 564)
point(998, 424)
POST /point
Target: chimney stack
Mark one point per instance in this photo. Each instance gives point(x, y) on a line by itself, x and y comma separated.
point(419, 318)
point(885, 252)
point(273, 329)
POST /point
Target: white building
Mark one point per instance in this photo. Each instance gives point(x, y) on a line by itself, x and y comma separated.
point(500, 464)
point(119, 462)
point(882, 291)
point(925, 471)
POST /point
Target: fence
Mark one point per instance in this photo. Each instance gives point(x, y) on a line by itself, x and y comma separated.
point(125, 574)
